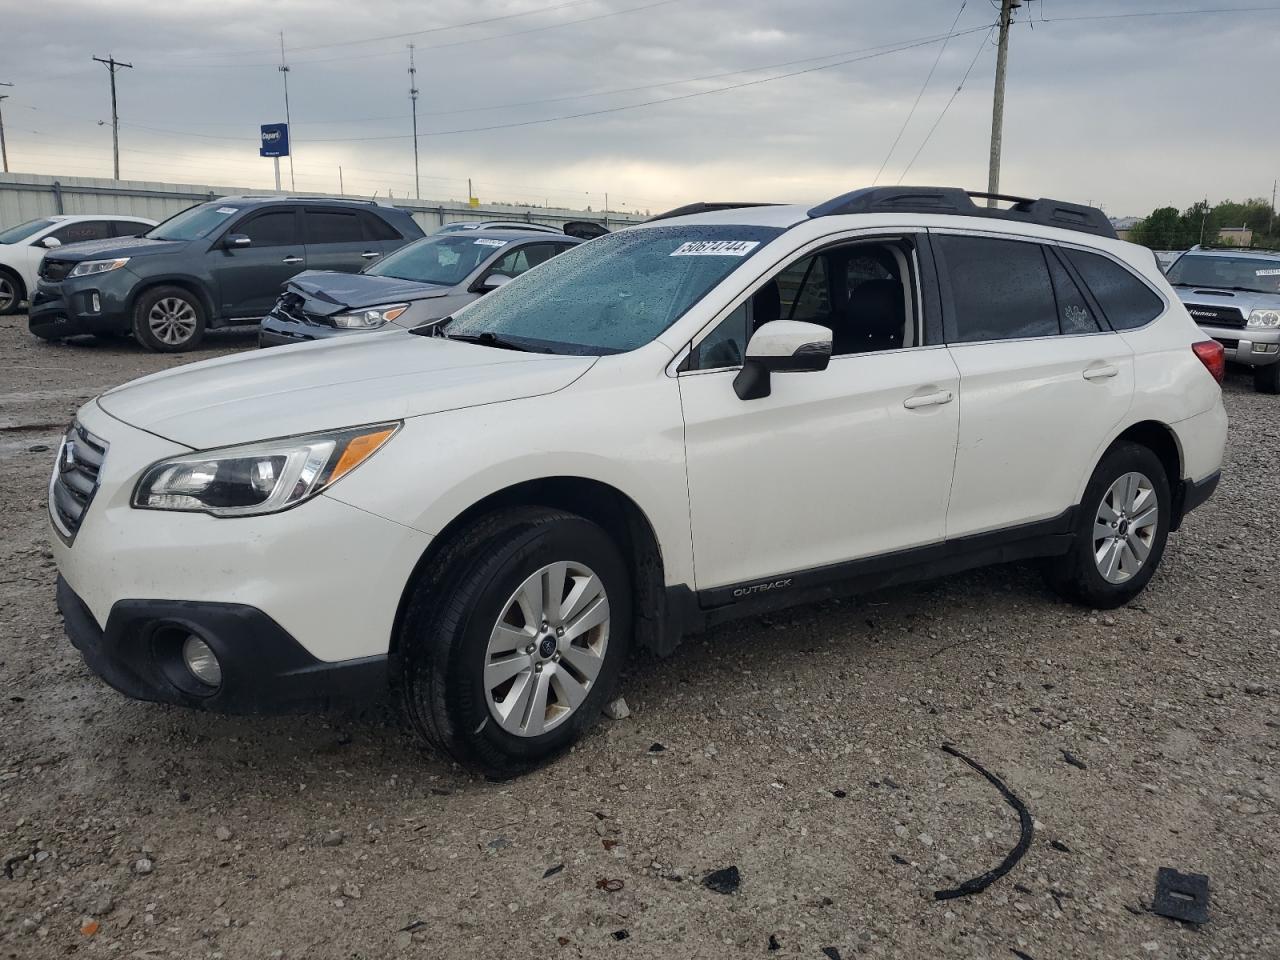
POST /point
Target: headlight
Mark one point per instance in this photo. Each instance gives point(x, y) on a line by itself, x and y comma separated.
point(87, 268)
point(1264, 318)
point(258, 478)
point(368, 319)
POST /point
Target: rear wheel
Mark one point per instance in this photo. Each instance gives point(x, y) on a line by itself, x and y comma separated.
point(1267, 379)
point(168, 320)
point(11, 292)
point(1121, 530)
point(514, 638)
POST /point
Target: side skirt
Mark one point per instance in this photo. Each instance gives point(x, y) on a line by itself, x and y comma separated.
point(690, 612)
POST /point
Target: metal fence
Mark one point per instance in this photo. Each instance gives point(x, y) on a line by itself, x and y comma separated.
point(26, 196)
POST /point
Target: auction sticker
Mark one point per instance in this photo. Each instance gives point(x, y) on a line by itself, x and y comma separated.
point(225, 210)
point(715, 248)
point(1267, 273)
point(482, 242)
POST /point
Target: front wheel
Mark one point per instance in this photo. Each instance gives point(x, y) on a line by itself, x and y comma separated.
point(11, 292)
point(168, 320)
point(514, 638)
point(1121, 530)
point(1267, 379)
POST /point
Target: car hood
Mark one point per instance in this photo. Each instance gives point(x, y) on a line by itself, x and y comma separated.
point(1242, 300)
point(115, 247)
point(387, 375)
point(326, 292)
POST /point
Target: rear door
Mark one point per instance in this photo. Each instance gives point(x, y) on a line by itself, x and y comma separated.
point(249, 279)
point(1043, 380)
point(335, 240)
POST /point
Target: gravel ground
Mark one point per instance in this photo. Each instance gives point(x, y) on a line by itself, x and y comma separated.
point(802, 749)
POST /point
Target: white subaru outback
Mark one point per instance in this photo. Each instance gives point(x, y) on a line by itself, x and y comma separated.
point(723, 410)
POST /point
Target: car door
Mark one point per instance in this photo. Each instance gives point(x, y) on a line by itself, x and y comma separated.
point(249, 278)
point(844, 464)
point(335, 240)
point(1043, 380)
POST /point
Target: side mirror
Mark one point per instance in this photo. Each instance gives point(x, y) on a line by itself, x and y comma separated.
point(493, 281)
point(50, 243)
point(236, 241)
point(781, 346)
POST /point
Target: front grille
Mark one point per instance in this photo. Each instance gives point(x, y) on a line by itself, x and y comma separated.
point(55, 270)
point(289, 307)
point(1228, 342)
point(75, 479)
point(1215, 316)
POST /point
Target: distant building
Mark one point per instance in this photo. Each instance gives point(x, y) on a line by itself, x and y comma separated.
point(1124, 225)
point(1236, 236)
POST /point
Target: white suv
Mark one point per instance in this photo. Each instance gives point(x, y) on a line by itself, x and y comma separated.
point(723, 410)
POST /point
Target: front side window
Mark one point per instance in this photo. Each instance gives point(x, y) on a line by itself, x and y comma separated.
point(194, 223)
point(276, 228)
point(1127, 301)
point(24, 230)
point(613, 294)
point(128, 228)
point(445, 259)
point(1000, 289)
point(1258, 274)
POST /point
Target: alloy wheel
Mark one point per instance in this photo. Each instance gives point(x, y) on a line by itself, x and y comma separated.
point(8, 294)
point(547, 649)
point(172, 320)
point(1124, 528)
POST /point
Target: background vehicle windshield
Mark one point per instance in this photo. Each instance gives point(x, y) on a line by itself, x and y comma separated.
point(445, 259)
point(193, 223)
point(615, 293)
point(24, 230)
point(1251, 273)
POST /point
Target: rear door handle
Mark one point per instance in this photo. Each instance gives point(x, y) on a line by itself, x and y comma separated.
point(369, 255)
point(292, 260)
point(927, 400)
point(1103, 372)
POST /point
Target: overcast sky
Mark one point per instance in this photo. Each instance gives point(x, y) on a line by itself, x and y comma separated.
point(1127, 112)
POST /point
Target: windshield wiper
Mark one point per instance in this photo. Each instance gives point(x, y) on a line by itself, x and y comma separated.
point(488, 339)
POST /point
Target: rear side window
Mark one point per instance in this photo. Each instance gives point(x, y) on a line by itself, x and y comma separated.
point(1126, 300)
point(1074, 315)
point(1000, 289)
point(83, 230)
point(333, 226)
point(276, 228)
point(375, 228)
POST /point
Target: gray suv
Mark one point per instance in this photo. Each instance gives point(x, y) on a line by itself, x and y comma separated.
point(1234, 295)
point(213, 264)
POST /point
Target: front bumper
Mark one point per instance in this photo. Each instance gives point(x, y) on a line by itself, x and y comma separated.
point(1255, 346)
point(95, 304)
point(264, 669)
point(277, 331)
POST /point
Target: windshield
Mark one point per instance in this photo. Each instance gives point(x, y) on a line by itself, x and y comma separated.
point(24, 230)
point(612, 294)
point(444, 259)
point(1248, 273)
point(193, 223)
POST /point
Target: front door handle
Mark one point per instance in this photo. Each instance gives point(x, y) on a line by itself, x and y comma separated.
point(1102, 372)
point(369, 255)
point(927, 400)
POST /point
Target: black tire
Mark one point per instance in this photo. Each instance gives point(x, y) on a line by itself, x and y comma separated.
point(184, 304)
point(1267, 379)
point(12, 292)
point(455, 603)
point(1075, 575)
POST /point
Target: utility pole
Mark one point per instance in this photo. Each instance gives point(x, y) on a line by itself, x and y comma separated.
point(413, 99)
point(997, 108)
point(112, 65)
point(342, 191)
point(1271, 220)
point(4, 152)
point(284, 74)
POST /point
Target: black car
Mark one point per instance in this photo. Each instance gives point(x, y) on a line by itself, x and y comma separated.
point(213, 264)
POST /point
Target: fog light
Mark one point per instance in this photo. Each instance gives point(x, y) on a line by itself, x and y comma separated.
point(97, 304)
point(200, 660)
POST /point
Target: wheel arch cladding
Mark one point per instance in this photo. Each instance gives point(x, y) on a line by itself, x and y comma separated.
point(606, 506)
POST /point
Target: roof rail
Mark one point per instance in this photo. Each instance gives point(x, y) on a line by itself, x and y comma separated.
point(691, 208)
point(276, 196)
point(955, 201)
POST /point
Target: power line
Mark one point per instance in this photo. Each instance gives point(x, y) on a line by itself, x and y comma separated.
point(1161, 13)
point(912, 112)
point(972, 63)
point(649, 103)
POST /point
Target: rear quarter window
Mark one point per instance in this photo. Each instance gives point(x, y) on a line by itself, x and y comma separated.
point(1127, 302)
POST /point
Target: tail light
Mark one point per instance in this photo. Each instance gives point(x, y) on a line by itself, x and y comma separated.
point(1213, 356)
